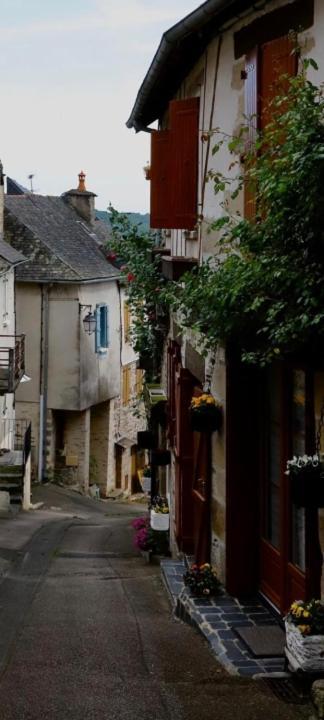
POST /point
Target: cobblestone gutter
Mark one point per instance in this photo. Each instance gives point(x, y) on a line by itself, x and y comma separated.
point(217, 620)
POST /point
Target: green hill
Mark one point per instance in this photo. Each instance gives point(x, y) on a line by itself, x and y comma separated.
point(136, 218)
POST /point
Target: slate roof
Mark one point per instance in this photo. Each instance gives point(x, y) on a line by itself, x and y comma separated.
point(15, 188)
point(61, 246)
point(8, 253)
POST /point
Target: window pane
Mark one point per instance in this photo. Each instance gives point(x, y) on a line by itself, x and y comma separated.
point(273, 471)
point(103, 326)
point(298, 419)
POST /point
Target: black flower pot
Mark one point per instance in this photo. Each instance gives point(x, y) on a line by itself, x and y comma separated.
point(206, 418)
point(307, 487)
point(146, 440)
point(158, 413)
point(160, 457)
point(145, 361)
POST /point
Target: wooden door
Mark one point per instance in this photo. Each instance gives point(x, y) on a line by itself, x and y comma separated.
point(290, 558)
point(183, 452)
point(202, 496)
point(119, 455)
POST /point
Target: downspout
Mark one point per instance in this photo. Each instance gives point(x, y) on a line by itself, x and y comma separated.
point(42, 469)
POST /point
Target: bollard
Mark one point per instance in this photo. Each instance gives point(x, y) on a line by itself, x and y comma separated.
point(318, 697)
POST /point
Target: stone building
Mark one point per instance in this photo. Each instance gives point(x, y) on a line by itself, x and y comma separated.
point(230, 501)
point(66, 289)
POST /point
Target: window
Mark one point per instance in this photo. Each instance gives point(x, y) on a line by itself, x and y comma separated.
point(102, 328)
point(127, 322)
point(126, 385)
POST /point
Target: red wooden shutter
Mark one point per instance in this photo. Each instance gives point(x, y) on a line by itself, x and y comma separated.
point(263, 70)
point(161, 211)
point(276, 60)
point(251, 110)
point(174, 168)
point(184, 122)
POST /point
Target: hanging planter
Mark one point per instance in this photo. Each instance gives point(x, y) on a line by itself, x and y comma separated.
point(306, 475)
point(161, 457)
point(146, 440)
point(206, 414)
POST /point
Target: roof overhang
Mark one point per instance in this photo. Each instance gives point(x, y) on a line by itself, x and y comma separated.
point(179, 50)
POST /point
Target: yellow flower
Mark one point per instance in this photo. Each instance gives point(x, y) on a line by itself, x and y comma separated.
point(304, 629)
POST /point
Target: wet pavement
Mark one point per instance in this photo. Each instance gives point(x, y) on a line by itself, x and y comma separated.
point(87, 631)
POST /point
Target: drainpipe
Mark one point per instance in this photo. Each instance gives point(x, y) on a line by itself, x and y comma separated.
point(42, 470)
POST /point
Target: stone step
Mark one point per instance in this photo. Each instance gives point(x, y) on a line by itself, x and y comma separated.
point(11, 471)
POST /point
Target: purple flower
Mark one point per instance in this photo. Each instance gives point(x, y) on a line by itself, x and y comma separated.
point(140, 522)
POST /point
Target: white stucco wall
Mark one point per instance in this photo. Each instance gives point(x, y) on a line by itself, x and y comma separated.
point(7, 340)
point(78, 377)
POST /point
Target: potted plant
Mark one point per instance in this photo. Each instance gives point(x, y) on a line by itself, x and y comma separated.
point(205, 413)
point(202, 580)
point(147, 540)
point(160, 514)
point(306, 474)
point(304, 625)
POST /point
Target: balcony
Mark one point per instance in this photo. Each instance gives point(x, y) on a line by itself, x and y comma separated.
point(12, 362)
point(174, 267)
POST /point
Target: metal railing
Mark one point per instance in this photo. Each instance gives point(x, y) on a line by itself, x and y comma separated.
point(16, 435)
point(12, 361)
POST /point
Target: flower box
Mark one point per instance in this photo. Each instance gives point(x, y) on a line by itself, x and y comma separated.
point(174, 267)
point(304, 652)
point(160, 521)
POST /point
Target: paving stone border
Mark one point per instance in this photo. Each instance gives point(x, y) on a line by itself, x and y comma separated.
point(216, 619)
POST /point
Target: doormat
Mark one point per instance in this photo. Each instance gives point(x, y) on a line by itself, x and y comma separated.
point(263, 640)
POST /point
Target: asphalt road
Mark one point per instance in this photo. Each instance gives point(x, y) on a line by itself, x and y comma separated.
point(86, 632)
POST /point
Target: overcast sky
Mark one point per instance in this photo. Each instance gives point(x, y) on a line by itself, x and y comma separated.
point(70, 72)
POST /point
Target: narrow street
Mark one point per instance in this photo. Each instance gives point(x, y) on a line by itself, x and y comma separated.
point(87, 631)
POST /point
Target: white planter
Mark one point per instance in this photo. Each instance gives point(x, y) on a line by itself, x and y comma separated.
point(146, 484)
point(304, 652)
point(160, 521)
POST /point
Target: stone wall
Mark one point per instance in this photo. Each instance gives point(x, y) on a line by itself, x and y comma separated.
point(77, 441)
point(127, 421)
point(99, 445)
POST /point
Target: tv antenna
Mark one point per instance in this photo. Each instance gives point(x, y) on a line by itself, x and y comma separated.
point(30, 178)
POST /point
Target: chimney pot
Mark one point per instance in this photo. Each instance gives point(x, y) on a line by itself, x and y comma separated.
point(81, 200)
point(81, 186)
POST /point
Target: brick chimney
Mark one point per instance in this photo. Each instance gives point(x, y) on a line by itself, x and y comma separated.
point(81, 200)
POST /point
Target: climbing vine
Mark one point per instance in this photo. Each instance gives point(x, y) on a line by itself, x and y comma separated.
point(135, 251)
